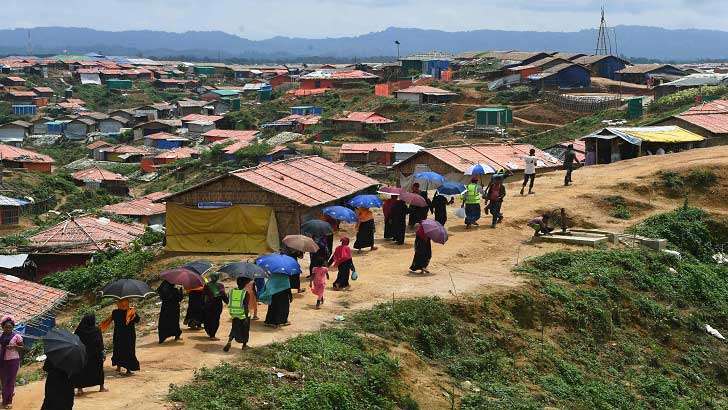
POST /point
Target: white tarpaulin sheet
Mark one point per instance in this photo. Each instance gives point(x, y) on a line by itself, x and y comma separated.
point(90, 79)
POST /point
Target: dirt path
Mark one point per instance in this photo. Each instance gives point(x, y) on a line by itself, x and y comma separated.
point(472, 261)
point(542, 124)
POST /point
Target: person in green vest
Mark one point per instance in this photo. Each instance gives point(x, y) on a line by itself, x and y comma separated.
point(471, 202)
point(240, 312)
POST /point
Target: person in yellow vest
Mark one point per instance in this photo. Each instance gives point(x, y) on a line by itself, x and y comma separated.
point(471, 202)
point(240, 312)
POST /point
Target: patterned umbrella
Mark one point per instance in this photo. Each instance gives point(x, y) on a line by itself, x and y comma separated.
point(480, 169)
point(341, 213)
point(277, 263)
point(429, 180)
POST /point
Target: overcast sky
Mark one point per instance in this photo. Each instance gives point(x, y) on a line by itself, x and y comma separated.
point(259, 19)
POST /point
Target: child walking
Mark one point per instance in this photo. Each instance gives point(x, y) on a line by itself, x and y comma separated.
point(318, 282)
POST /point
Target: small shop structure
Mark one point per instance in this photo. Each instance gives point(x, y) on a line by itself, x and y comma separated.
point(615, 144)
point(10, 210)
point(709, 120)
point(424, 94)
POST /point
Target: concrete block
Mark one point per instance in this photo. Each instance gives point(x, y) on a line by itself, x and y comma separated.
point(575, 240)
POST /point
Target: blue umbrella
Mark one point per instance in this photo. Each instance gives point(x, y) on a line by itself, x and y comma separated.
point(277, 263)
point(429, 180)
point(451, 188)
point(365, 201)
point(480, 169)
point(341, 213)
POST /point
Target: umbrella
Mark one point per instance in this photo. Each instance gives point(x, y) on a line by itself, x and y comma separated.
point(413, 199)
point(65, 351)
point(316, 227)
point(300, 243)
point(277, 263)
point(244, 270)
point(127, 289)
point(429, 180)
point(480, 169)
point(390, 190)
point(451, 189)
point(365, 201)
point(199, 267)
point(184, 277)
point(341, 213)
point(434, 230)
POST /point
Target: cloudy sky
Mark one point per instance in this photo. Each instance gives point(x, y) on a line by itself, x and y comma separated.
point(259, 19)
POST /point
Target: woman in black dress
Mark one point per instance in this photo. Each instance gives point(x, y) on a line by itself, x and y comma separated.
point(194, 316)
point(439, 208)
point(58, 389)
point(364, 230)
point(213, 299)
point(169, 313)
point(277, 295)
point(423, 252)
point(342, 259)
point(294, 279)
point(320, 257)
point(124, 318)
point(93, 373)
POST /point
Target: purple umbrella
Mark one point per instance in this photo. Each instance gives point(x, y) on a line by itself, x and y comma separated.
point(434, 230)
point(183, 277)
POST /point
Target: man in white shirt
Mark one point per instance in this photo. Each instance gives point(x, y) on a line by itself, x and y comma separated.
point(530, 171)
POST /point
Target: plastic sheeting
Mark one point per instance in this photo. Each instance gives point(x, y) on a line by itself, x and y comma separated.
point(635, 136)
point(234, 229)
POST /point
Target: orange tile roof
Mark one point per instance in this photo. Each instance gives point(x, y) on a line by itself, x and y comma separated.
point(301, 119)
point(310, 91)
point(28, 301)
point(16, 79)
point(43, 89)
point(15, 93)
point(138, 207)
point(242, 135)
point(366, 148)
point(98, 144)
point(425, 89)
point(200, 117)
point(509, 157)
point(10, 153)
point(177, 153)
point(363, 117)
point(165, 136)
point(97, 174)
point(84, 235)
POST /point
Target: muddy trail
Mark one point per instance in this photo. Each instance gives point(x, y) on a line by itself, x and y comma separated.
point(473, 261)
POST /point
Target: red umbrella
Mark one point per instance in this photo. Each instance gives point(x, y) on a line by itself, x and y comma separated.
point(389, 190)
point(301, 243)
point(434, 230)
point(183, 277)
point(413, 199)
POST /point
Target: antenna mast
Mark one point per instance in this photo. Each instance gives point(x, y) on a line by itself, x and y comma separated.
point(29, 45)
point(604, 43)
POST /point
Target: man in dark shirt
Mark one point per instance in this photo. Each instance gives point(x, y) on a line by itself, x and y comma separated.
point(569, 159)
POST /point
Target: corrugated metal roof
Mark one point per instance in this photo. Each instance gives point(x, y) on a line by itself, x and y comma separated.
point(693, 80)
point(7, 201)
point(425, 89)
point(177, 153)
point(363, 117)
point(165, 136)
point(339, 75)
point(309, 181)
point(364, 148)
point(200, 117)
point(98, 144)
point(243, 135)
point(139, 206)
point(28, 301)
point(10, 153)
point(97, 174)
point(644, 68)
point(83, 235)
point(498, 156)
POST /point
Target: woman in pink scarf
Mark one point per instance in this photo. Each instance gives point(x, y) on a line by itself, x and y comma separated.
point(11, 344)
point(318, 282)
point(342, 259)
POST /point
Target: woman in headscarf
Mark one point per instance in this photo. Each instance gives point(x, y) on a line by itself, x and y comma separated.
point(124, 318)
point(168, 325)
point(11, 344)
point(195, 314)
point(418, 213)
point(423, 252)
point(364, 230)
point(439, 208)
point(334, 224)
point(320, 257)
point(387, 211)
point(213, 299)
point(277, 295)
point(93, 373)
point(398, 220)
point(58, 389)
point(341, 259)
point(318, 283)
point(294, 279)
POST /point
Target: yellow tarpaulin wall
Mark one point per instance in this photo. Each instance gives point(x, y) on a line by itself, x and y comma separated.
point(672, 136)
point(234, 229)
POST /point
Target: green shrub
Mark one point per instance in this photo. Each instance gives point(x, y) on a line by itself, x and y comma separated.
point(621, 211)
point(514, 95)
point(702, 177)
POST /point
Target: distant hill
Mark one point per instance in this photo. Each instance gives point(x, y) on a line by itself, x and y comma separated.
point(649, 42)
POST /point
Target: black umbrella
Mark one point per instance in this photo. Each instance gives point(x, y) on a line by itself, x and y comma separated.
point(316, 227)
point(127, 289)
point(244, 270)
point(65, 351)
point(198, 266)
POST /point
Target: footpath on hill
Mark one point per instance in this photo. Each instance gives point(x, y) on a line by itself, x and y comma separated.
point(473, 261)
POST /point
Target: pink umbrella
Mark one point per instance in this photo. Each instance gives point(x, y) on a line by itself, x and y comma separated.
point(434, 230)
point(390, 190)
point(183, 277)
point(413, 199)
point(301, 243)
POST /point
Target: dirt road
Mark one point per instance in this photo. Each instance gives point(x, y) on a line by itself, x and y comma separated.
point(472, 261)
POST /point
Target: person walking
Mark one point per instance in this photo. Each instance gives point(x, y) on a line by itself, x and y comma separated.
point(494, 195)
point(341, 259)
point(321, 256)
point(124, 319)
point(277, 295)
point(471, 202)
point(439, 208)
point(58, 389)
point(364, 230)
point(168, 325)
point(213, 297)
point(398, 218)
point(387, 211)
point(195, 313)
point(569, 159)
point(239, 309)
point(423, 252)
point(529, 174)
point(418, 213)
point(11, 344)
point(318, 284)
point(93, 373)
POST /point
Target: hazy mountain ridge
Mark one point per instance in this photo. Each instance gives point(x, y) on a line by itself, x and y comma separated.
point(651, 42)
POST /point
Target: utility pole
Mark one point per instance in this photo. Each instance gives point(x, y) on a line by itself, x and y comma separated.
point(397, 43)
point(604, 44)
